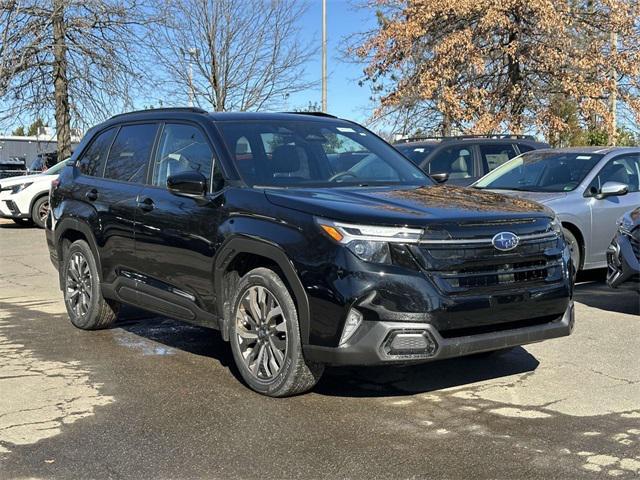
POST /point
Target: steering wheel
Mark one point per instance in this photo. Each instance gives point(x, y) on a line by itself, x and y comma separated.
point(340, 175)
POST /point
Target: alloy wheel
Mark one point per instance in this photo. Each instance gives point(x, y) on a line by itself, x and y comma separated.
point(78, 284)
point(43, 211)
point(261, 333)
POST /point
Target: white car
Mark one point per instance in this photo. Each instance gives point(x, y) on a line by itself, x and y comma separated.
point(25, 199)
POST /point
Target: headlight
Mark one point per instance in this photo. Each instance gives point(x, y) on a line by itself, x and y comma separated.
point(367, 242)
point(556, 226)
point(625, 225)
point(19, 188)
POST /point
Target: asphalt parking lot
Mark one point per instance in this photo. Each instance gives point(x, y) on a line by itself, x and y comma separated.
point(155, 398)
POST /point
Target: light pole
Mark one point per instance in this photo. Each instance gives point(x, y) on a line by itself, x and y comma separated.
point(190, 54)
point(324, 56)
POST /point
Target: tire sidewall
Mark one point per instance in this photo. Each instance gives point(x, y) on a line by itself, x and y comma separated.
point(88, 320)
point(571, 239)
point(269, 280)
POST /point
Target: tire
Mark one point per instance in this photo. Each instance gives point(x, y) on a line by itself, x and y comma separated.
point(574, 248)
point(86, 307)
point(39, 211)
point(264, 322)
point(23, 222)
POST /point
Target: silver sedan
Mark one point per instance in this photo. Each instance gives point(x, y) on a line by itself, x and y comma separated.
point(589, 188)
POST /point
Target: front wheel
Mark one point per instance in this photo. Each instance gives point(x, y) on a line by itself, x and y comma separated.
point(574, 249)
point(265, 337)
point(39, 211)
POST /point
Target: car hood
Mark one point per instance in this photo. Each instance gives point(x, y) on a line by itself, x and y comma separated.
point(11, 181)
point(540, 197)
point(405, 205)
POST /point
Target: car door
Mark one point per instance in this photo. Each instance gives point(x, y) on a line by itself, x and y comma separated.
point(176, 234)
point(606, 211)
point(111, 173)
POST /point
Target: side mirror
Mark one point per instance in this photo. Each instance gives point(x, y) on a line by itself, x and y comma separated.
point(191, 184)
point(440, 177)
point(612, 189)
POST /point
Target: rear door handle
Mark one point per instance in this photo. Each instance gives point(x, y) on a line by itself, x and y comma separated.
point(145, 204)
point(91, 194)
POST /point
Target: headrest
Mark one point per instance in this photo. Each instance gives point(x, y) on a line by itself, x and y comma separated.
point(285, 159)
point(459, 165)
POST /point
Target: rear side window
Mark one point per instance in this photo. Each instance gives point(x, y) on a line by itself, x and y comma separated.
point(130, 152)
point(495, 154)
point(523, 147)
point(456, 161)
point(93, 159)
point(182, 148)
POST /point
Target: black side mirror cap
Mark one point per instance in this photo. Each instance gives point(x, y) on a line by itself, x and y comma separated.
point(191, 184)
point(440, 177)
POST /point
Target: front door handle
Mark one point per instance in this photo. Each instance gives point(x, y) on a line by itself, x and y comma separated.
point(145, 204)
point(92, 194)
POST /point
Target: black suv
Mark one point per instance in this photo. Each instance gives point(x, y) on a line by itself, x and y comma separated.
point(241, 222)
point(462, 160)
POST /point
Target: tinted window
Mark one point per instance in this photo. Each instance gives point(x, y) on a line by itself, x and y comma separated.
point(130, 152)
point(523, 147)
point(315, 153)
point(495, 154)
point(456, 161)
point(623, 169)
point(541, 171)
point(416, 153)
point(93, 159)
point(182, 148)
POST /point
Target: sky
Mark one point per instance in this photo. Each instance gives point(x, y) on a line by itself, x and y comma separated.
point(345, 98)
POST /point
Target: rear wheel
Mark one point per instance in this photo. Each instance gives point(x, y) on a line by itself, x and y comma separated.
point(86, 307)
point(265, 337)
point(39, 211)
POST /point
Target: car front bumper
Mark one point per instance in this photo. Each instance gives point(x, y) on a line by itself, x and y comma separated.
point(623, 266)
point(370, 344)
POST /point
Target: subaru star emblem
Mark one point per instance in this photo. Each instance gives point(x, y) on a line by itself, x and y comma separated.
point(505, 241)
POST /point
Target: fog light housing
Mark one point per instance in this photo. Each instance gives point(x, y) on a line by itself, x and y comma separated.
point(409, 344)
point(354, 319)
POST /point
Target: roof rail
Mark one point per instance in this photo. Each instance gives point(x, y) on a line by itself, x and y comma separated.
point(499, 136)
point(315, 114)
point(167, 109)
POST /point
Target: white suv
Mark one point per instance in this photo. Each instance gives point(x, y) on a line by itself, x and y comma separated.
point(25, 199)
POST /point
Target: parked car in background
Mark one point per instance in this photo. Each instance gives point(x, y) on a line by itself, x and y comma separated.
point(461, 160)
point(25, 199)
point(623, 255)
point(241, 222)
point(12, 167)
point(588, 188)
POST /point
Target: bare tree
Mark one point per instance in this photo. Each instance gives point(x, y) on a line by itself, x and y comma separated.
point(71, 59)
point(229, 54)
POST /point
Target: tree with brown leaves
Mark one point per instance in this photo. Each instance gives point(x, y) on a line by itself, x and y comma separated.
point(482, 66)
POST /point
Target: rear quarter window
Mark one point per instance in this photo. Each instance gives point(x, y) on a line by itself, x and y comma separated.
point(93, 159)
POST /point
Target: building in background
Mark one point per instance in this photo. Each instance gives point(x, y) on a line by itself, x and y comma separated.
point(30, 148)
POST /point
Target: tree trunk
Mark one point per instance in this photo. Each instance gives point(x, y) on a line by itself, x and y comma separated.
point(61, 85)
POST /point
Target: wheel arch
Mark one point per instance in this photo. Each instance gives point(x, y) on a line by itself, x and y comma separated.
point(67, 231)
point(35, 198)
point(575, 230)
point(241, 254)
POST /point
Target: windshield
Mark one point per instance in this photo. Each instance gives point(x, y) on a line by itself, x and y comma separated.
point(415, 153)
point(311, 153)
point(549, 171)
point(56, 168)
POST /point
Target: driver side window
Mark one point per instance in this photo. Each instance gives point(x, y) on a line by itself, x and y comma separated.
point(182, 148)
point(623, 169)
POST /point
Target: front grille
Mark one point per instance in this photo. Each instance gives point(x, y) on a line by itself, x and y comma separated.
point(467, 268)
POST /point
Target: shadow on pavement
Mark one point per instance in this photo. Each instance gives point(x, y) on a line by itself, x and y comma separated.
point(593, 291)
point(385, 381)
